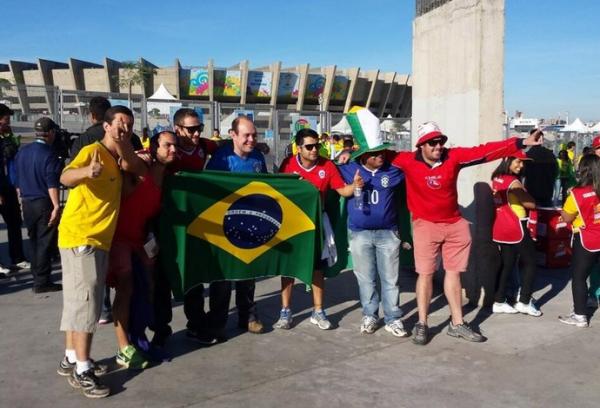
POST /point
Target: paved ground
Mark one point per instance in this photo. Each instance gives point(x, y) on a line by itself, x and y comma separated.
point(527, 362)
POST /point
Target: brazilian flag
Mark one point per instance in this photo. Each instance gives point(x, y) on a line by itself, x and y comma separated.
point(234, 226)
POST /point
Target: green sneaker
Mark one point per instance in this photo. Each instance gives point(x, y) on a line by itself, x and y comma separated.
point(131, 358)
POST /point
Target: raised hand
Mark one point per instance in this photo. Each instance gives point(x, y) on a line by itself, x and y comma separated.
point(95, 166)
point(536, 138)
point(358, 180)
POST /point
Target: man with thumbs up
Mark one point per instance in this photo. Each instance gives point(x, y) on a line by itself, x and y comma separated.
point(85, 235)
point(323, 174)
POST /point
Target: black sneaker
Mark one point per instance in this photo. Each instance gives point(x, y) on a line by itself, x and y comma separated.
point(463, 331)
point(89, 384)
point(65, 368)
point(420, 334)
point(201, 337)
point(48, 287)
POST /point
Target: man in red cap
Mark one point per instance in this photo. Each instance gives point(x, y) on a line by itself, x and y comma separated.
point(431, 174)
point(596, 145)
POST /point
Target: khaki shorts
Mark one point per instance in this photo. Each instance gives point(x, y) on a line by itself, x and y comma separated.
point(432, 239)
point(83, 277)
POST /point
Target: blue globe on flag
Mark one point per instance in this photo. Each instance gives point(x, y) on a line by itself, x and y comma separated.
point(252, 221)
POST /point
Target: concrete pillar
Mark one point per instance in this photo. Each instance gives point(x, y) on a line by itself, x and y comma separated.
point(275, 71)
point(329, 79)
point(17, 68)
point(353, 78)
point(389, 81)
point(211, 80)
point(244, 67)
point(373, 76)
point(303, 73)
point(458, 61)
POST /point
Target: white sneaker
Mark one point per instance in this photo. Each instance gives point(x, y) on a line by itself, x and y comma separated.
point(368, 325)
point(503, 308)
point(4, 272)
point(23, 265)
point(574, 320)
point(396, 328)
point(528, 309)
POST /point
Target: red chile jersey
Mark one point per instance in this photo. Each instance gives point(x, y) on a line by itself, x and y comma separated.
point(194, 159)
point(431, 190)
point(323, 175)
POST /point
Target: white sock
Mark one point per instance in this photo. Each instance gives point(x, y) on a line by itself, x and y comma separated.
point(83, 366)
point(71, 356)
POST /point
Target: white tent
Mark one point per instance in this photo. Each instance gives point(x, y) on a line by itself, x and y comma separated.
point(577, 126)
point(342, 127)
point(595, 128)
point(162, 95)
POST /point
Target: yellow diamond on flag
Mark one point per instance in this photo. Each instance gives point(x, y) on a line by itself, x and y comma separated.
point(250, 221)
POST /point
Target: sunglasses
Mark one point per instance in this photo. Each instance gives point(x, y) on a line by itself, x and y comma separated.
point(311, 146)
point(194, 129)
point(435, 142)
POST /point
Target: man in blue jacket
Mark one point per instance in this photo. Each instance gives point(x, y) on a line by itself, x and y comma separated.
point(37, 180)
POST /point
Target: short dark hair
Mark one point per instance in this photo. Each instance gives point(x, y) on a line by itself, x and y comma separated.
point(110, 114)
point(98, 107)
point(303, 133)
point(155, 141)
point(570, 144)
point(183, 113)
point(236, 122)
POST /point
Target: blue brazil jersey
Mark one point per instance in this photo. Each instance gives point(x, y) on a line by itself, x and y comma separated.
point(226, 160)
point(379, 208)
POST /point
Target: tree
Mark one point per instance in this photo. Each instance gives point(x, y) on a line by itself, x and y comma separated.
point(4, 83)
point(134, 73)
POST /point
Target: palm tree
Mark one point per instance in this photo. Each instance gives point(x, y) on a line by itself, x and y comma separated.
point(134, 73)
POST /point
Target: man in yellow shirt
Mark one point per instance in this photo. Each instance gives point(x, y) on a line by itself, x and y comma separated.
point(84, 237)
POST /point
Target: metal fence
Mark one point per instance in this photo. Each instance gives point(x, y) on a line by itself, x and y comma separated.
point(275, 127)
point(425, 6)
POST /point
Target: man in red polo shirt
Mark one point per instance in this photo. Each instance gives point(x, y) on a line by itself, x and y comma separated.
point(438, 228)
point(323, 174)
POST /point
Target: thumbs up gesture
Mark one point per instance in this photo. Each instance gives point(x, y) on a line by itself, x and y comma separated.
point(95, 166)
point(358, 180)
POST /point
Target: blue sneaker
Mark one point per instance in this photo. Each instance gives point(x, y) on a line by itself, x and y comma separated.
point(320, 319)
point(285, 320)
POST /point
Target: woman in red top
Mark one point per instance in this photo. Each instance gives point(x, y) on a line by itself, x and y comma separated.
point(140, 203)
point(510, 231)
point(582, 208)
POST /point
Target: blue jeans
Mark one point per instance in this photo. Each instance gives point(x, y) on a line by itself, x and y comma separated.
point(377, 252)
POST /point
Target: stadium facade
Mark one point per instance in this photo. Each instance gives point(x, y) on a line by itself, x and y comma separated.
point(298, 88)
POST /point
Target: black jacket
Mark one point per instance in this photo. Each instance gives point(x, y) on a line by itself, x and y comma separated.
point(94, 134)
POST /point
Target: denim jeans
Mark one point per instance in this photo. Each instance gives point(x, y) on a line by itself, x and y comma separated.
point(377, 253)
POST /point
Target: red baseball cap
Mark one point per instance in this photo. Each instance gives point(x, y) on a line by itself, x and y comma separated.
point(520, 154)
point(596, 142)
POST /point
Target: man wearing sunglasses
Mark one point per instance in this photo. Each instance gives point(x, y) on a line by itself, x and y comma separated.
point(438, 228)
point(323, 174)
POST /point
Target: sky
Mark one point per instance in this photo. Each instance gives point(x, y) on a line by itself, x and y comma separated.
point(552, 47)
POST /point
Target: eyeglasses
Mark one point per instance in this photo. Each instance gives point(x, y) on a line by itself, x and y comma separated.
point(193, 129)
point(311, 146)
point(435, 142)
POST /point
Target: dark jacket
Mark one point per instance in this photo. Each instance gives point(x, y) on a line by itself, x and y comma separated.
point(540, 175)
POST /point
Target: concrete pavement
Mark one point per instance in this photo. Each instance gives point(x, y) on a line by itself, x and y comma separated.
point(527, 362)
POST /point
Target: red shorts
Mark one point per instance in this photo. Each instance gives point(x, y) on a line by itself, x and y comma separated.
point(452, 241)
point(120, 264)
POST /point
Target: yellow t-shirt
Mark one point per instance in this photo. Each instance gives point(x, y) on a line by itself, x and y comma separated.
point(570, 207)
point(516, 207)
point(90, 215)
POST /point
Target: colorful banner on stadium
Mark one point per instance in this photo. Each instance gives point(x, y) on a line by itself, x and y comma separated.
point(289, 85)
point(259, 83)
point(198, 82)
point(316, 86)
point(340, 88)
point(227, 83)
point(223, 226)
